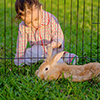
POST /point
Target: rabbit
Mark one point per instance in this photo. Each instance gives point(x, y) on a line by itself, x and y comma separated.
point(52, 70)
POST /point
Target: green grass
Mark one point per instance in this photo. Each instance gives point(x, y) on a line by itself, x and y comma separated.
point(21, 83)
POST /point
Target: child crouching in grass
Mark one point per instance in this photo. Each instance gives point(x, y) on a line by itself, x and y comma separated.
point(40, 29)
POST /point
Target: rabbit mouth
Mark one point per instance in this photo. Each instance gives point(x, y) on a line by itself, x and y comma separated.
point(41, 76)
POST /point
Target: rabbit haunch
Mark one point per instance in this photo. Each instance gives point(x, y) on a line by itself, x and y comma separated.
point(50, 69)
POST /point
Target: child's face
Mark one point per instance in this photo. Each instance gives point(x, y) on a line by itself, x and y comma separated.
point(32, 18)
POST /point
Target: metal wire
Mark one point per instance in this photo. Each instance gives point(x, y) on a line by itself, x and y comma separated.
point(5, 35)
point(70, 28)
point(58, 21)
point(91, 30)
point(98, 31)
point(70, 44)
point(77, 27)
point(83, 30)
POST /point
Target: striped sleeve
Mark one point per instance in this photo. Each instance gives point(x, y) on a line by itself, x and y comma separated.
point(21, 46)
point(57, 34)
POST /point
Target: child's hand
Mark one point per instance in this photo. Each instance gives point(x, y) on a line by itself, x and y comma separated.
point(52, 44)
point(55, 44)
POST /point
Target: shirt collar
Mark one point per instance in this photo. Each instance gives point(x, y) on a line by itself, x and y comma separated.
point(45, 18)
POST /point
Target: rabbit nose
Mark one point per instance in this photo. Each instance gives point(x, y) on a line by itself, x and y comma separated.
point(41, 76)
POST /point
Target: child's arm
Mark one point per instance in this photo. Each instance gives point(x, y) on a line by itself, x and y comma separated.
point(57, 34)
point(21, 46)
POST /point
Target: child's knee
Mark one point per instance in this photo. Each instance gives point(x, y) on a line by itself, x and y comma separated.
point(33, 54)
point(34, 51)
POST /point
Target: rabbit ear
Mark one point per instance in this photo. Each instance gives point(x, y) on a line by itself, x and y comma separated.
point(49, 53)
point(57, 57)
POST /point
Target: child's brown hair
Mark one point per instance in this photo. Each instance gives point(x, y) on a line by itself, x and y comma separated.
point(20, 6)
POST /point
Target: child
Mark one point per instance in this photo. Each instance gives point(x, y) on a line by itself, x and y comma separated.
point(41, 29)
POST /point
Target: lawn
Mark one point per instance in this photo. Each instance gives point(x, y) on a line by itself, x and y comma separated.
point(81, 38)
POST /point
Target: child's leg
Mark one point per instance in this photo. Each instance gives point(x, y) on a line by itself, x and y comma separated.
point(70, 58)
point(33, 54)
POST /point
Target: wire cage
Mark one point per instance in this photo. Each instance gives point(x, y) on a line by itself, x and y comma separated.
point(79, 21)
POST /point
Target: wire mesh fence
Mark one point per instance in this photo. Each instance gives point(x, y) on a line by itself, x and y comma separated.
point(79, 21)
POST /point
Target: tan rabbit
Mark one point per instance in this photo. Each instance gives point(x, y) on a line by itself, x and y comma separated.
point(51, 69)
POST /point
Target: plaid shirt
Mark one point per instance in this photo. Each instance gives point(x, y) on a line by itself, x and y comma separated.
point(49, 31)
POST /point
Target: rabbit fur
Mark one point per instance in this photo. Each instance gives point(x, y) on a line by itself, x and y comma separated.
point(51, 69)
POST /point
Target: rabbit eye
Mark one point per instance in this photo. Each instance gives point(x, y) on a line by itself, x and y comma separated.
point(46, 68)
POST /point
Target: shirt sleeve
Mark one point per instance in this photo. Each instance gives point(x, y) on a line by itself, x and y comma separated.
point(57, 33)
point(21, 46)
